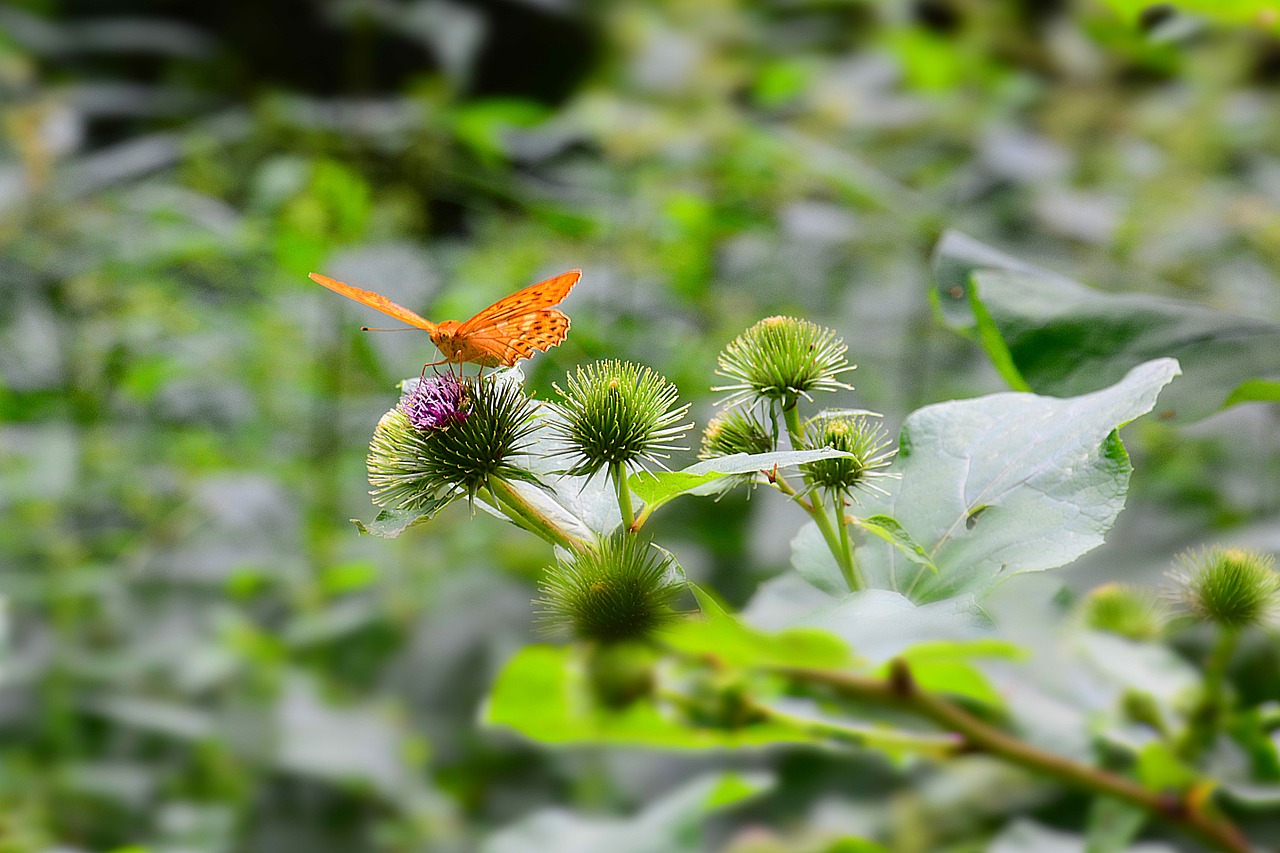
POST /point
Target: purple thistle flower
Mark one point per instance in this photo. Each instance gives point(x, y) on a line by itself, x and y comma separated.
point(435, 402)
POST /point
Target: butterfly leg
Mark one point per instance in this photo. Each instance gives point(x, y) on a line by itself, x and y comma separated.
point(422, 377)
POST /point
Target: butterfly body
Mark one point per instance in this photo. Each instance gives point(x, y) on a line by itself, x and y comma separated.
point(511, 329)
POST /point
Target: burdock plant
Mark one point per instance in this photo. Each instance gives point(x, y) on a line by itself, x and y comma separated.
point(616, 416)
point(860, 436)
point(1232, 589)
point(622, 588)
point(449, 438)
point(736, 431)
point(781, 359)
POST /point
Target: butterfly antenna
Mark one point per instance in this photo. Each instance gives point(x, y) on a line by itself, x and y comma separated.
point(371, 329)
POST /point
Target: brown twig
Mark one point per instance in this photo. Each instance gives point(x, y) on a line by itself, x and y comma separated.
point(900, 690)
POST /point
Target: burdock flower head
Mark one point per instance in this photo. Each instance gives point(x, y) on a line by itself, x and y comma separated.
point(1125, 610)
point(858, 434)
point(617, 415)
point(435, 402)
point(735, 431)
point(781, 359)
point(620, 589)
point(447, 438)
point(1232, 587)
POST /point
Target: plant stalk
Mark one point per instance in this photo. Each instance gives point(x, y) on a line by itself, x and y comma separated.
point(618, 471)
point(1206, 720)
point(901, 691)
point(529, 517)
point(848, 561)
point(837, 543)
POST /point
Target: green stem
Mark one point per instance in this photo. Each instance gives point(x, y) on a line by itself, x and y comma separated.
point(781, 484)
point(618, 471)
point(837, 543)
point(528, 516)
point(794, 429)
point(818, 513)
point(1206, 720)
point(866, 737)
point(849, 563)
point(900, 690)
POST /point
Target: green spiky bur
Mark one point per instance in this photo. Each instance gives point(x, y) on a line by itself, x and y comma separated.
point(781, 359)
point(617, 590)
point(616, 413)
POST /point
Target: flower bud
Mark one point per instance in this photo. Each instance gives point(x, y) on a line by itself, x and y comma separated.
point(735, 431)
point(617, 590)
point(721, 700)
point(1232, 587)
point(1125, 610)
point(617, 413)
point(781, 359)
point(447, 438)
point(857, 434)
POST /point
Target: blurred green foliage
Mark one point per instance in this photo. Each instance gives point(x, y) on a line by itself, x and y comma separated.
point(203, 655)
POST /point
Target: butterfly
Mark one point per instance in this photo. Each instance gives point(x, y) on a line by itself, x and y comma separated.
point(510, 329)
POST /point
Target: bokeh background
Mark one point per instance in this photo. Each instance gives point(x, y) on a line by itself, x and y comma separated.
point(202, 655)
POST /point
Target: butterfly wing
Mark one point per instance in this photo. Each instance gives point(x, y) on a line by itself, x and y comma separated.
point(518, 325)
point(376, 301)
point(508, 340)
point(535, 297)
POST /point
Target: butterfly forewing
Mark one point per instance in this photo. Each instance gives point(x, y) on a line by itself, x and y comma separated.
point(376, 301)
point(530, 300)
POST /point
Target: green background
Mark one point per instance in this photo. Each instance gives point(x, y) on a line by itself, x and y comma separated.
point(202, 653)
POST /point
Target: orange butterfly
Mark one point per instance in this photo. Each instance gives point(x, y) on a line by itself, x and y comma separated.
point(508, 330)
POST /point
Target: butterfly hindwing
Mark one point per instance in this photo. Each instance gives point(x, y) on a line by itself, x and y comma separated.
point(376, 301)
point(509, 340)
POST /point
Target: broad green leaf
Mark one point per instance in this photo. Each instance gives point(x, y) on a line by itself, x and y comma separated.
point(1048, 334)
point(888, 529)
point(1008, 483)
point(813, 560)
point(1251, 732)
point(944, 667)
point(1251, 13)
point(670, 825)
point(543, 694)
point(1254, 391)
point(1250, 796)
point(1025, 836)
point(655, 488)
point(390, 523)
point(1112, 825)
point(720, 635)
point(875, 624)
point(1161, 770)
point(856, 845)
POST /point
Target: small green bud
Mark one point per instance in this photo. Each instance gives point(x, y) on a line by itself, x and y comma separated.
point(858, 434)
point(619, 589)
point(735, 431)
point(617, 413)
point(1232, 587)
point(1141, 707)
point(781, 359)
point(721, 700)
point(1125, 610)
point(419, 469)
